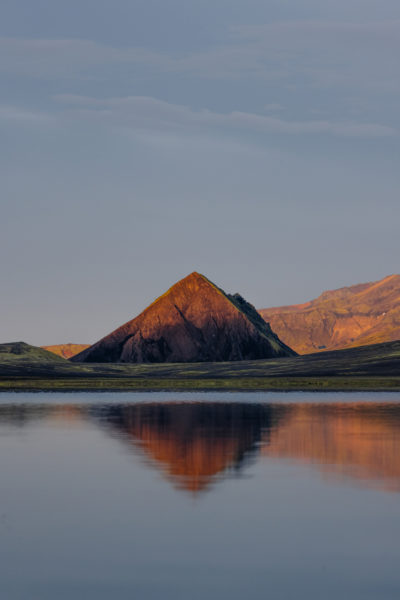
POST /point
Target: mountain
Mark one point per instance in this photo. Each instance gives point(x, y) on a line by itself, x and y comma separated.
point(66, 350)
point(364, 314)
point(194, 321)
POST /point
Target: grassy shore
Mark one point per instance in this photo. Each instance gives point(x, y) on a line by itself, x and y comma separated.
point(27, 368)
point(236, 384)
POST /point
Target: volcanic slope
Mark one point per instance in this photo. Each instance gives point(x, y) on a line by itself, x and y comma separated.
point(364, 314)
point(194, 321)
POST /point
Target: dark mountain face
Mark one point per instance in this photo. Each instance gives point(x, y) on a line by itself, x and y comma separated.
point(193, 321)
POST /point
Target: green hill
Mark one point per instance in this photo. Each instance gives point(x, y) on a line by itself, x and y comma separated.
point(19, 358)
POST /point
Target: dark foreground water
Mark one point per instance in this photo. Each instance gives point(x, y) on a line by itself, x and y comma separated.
point(199, 496)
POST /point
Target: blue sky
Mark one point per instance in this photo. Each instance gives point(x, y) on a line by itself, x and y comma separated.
point(254, 141)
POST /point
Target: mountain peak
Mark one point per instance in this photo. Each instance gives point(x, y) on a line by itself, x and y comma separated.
point(192, 321)
point(193, 278)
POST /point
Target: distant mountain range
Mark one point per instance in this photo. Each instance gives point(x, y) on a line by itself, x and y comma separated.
point(364, 314)
point(358, 315)
point(194, 321)
point(66, 350)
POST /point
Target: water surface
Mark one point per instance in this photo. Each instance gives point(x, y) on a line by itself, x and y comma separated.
point(159, 496)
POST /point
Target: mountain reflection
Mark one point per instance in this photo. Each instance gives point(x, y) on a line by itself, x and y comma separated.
point(194, 444)
point(197, 444)
point(358, 441)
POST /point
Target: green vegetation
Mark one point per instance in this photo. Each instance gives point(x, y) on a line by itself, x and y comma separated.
point(234, 384)
point(24, 367)
point(20, 352)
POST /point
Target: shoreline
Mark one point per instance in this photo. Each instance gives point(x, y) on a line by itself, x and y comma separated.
point(234, 384)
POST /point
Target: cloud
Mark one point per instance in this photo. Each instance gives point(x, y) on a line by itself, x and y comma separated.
point(142, 112)
point(386, 31)
point(14, 113)
point(351, 69)
point(68, 58)
point(365, 53)
point(328, 53)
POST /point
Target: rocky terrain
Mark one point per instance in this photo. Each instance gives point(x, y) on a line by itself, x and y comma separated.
point(194, 321)
point(368, 313)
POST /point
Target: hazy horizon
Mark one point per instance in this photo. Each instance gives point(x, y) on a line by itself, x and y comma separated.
point(254, 142)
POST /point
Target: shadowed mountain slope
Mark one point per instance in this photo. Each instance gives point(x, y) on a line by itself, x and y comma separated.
point(194, 321)
point(66, 350)
point(368, 313)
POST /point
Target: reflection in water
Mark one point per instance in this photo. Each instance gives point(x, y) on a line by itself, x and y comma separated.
point(361, 441)
point(195, 444)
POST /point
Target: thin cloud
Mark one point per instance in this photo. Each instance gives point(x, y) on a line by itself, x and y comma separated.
point(69, 58)
point(376, 29)
point(142, 112)
point(276, 51)
point(14, 113)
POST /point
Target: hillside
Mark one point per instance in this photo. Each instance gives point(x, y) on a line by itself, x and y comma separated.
point(194, 321)
point(66, 350)
point(374, 366)
point(358, 315)
point(23, 359)
point(20, 352)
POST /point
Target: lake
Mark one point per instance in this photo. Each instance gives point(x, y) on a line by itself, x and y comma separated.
point(199, 496)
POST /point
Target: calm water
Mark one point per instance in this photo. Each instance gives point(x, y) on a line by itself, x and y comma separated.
point(199, 496)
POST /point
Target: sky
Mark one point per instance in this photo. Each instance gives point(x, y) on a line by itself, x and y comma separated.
point(254, 141)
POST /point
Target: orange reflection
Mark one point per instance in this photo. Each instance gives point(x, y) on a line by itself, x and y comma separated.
point(360, 441)
point(193, 443)
point(196, 444)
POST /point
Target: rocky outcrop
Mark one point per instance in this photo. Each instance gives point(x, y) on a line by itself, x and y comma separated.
point(359, 315)
point(194, 321)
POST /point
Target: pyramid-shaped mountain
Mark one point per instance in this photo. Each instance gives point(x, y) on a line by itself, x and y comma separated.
point(194, 321)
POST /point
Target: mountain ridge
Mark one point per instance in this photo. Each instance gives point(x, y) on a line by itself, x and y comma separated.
point(358, 315)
